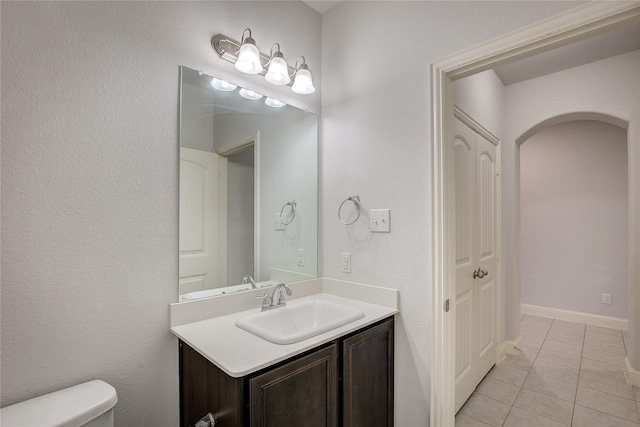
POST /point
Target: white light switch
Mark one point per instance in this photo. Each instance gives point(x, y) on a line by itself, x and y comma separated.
point(346, 262)
point(606, 298)
point(278, 222)
point(379, 221)
point(301, 257)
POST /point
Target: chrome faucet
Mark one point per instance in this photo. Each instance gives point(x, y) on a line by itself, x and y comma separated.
point(249, 279)
point(277, 298)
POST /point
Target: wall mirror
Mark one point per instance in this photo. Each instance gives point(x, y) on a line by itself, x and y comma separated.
point(248, 189)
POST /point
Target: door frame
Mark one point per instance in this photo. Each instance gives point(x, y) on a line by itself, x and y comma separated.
point(573, 25)
point(225, 151)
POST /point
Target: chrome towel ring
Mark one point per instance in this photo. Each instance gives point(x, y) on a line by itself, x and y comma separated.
point(356, 202)
point(292, 203)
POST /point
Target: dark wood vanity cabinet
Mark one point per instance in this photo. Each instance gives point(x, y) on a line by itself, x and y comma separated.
point(347, 382)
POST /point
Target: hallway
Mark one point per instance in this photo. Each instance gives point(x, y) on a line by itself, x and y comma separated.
point(568, 374)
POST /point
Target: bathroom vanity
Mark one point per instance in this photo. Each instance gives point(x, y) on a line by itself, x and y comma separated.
point(346, 382)
point(343, 377)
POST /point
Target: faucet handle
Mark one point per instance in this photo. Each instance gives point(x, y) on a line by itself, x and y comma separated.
point(266, 301)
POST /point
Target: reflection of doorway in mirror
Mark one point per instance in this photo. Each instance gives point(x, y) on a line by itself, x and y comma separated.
point(200, 255)
point(239, 226)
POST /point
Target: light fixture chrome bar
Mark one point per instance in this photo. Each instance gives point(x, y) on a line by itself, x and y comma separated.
point(227, 49)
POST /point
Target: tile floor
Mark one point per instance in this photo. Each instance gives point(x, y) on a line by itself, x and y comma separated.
point(568, 374)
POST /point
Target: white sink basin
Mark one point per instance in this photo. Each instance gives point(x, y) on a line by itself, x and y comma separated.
point(298, 321)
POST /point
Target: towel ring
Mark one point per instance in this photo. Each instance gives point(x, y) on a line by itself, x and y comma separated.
point(356, 202)
point(293, 211)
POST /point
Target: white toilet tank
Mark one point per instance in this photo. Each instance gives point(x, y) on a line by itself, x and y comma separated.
point(84, 405)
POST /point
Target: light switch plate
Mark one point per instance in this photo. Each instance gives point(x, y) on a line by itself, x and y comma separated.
point(278, 222)
point(346, 262)
point(379, 220)
point(300, 257)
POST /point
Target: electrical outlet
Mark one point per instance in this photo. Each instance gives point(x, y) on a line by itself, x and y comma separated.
point(346, 262)
point(301, 257)
point(606, 298)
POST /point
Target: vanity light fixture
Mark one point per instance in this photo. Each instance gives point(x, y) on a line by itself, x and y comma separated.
point(249, 94)
point(278, 73)
point(303, 83)
point(247, 58)
point(274, 103)
point(222, 85)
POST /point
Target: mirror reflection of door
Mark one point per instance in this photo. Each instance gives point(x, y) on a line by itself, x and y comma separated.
point(239, 204)
point(199, 259)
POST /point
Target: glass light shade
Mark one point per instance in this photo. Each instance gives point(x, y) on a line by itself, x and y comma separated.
point(249, 94)
point(222, 85)
point(303, 84)
point(274, 103)
point(278, 73)
point(249, 58)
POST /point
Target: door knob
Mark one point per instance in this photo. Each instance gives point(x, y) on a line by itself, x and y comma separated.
point(479, 273)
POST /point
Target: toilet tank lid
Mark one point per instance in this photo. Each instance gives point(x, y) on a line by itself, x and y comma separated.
point(71, 407)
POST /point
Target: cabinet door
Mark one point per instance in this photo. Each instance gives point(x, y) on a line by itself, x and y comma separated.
point(368, 377)
point(303, 392)
point(205, 388)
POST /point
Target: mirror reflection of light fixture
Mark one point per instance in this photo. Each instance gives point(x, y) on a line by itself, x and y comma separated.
point(278, 73)
point(274, 103)
point(246, 58)
point(302, 83)
point(222, 85)
point(249, 94)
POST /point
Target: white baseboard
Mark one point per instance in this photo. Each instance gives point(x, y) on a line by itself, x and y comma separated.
point(509, 348)
point(576, 316)
point(632, 375)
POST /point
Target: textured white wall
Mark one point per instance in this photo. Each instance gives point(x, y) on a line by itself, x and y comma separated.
point(89, 184)
point(481, 96)
point(573, 217)
point(376, 143)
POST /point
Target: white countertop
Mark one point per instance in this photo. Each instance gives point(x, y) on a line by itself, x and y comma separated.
point(238, 352)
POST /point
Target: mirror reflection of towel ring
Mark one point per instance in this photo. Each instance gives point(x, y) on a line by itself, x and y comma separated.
point(356, 202)
point(293, 211)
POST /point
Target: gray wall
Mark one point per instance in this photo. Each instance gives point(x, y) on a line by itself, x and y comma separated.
point(573, 217)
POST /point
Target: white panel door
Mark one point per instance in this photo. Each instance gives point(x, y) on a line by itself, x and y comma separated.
point(476, 222)
point(198, 245)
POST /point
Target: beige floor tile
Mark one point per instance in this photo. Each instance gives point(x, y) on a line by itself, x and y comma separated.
point(508, 374)
point(568, 339)
point(604, 338)
point(569, 325)
point(465, 421)
point(521, 418)
point(607, 403)
point(553, 370)
point(609, 348)
point(576, 332)
point(615, 386)
point(486, 410)
point(551, 387)
point(564, 359)
point(550, 407)
point(601, 330)
point(561, 347)
point(498, 390)
point(602, 368)
point(604, 356)
point(585, 417)
point(522, 361)
point(533, 341)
